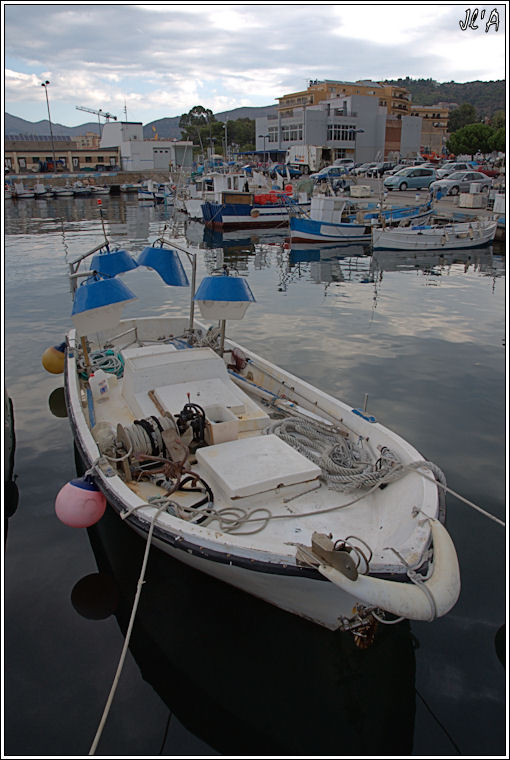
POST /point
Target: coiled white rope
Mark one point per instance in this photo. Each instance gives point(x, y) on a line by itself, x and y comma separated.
point(341, 462)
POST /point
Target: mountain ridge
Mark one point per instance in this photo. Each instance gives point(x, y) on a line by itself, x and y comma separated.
point(166, 128)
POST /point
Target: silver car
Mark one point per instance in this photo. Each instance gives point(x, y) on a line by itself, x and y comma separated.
point(459, 182)
point(454, 166)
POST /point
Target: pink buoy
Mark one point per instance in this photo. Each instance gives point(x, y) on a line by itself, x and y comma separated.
point(80, 503)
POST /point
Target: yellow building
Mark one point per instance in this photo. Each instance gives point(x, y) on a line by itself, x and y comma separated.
point(434, 127)
point(396, 100)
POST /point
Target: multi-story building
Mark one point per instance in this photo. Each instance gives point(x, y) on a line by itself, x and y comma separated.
point(396, 100)
point(352, 126)
point(434, 130)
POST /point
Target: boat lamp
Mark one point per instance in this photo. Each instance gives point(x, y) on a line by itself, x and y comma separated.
point(166, 263)
point(98, 304)
point(222, 296)
point(111, 263)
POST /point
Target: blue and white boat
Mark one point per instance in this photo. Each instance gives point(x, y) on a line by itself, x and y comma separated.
point(245, 210)
point(331, 220)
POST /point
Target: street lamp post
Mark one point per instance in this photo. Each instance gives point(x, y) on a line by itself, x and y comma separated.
point(45, 85)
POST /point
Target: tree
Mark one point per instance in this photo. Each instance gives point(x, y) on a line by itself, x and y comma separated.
point(195, 123)
point(497, 141)
point(471, 139)
point(461, 117)
point(498, 119)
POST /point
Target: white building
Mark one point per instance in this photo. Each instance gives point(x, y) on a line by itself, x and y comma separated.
point(138, 154)
point(353, 126)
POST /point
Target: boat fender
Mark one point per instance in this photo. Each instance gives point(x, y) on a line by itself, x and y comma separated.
point(421, 600)
point(80, 503)
point(53, 359)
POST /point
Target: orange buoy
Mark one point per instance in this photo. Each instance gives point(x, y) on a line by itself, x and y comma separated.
point(53, 359)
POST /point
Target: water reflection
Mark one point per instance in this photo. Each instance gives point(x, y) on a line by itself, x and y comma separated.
point(246, 677)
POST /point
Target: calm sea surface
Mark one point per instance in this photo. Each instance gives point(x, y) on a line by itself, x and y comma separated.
point(211, 670)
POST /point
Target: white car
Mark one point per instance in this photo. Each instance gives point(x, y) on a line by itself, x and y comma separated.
point(455, 166)
point(344, 163)
point(460, 182)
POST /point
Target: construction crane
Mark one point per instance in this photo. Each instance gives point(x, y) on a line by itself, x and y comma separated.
point(99, 113)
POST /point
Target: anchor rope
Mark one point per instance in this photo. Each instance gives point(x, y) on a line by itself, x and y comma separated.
point(141, 581)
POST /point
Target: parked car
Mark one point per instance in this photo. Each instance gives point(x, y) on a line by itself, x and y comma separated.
point(327, 174)
point(459, 182)
point(282, 169)
point(490, 171)
point(397, 168)
point(344, 163)
point(454, 166)
point(412, 177)
point(364, 168)
point(380, 168)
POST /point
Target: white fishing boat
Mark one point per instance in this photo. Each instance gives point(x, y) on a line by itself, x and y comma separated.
point(99, 189)
point(63, 191)
point(211, 187)
point(41, 191)
point(21, 192)
point(240, 469)
point(435, 237)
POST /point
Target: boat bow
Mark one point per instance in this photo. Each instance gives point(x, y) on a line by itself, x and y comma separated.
point(420, 600)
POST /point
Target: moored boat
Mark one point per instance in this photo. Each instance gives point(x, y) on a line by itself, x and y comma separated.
point(459, 235)
point(332, 220)
point(218, 457)
point(245, 210)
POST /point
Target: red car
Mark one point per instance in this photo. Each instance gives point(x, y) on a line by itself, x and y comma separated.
point(488, 170)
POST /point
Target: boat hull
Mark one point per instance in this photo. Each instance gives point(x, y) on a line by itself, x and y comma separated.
point(460, 236)
point(272, 573)
point(238, 216)
point(305, 230)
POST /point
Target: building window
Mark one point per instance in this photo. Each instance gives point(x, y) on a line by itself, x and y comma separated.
point(63, 161)
point(100, 159)
point(272, 134)
point(88, 159)
point(22, 162)
point(35, 159)
point(113, 160)
point(292, 132)
point(8, 163)
point(341, 132)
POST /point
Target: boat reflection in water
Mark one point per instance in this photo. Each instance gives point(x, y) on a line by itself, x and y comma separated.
point(482, 260)
point(244, 676)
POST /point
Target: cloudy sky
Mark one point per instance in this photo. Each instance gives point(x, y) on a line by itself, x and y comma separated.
point(150, 61)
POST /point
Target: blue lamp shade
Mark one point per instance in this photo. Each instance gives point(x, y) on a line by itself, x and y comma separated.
point(112, 263)
point(223, 297)
point(98, 304)
point(167, 264)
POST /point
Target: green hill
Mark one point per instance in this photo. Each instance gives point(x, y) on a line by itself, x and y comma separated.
point(486, 97)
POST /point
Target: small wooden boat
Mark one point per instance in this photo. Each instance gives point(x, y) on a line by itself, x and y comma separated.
point(242, 470)
point(435, 236)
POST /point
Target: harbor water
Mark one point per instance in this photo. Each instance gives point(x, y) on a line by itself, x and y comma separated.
point(418, 339)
